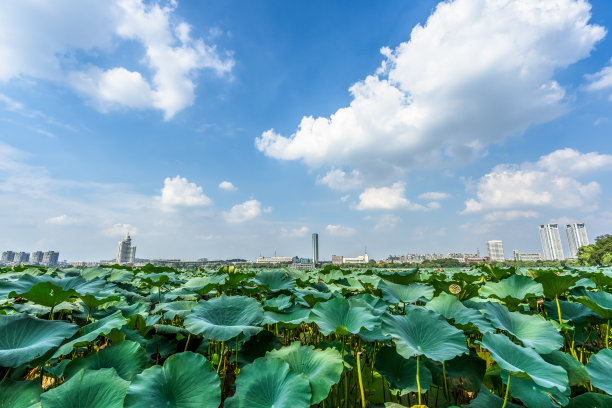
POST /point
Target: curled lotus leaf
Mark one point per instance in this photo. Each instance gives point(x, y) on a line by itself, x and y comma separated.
point(180, 308)
point(275, 280)
point(414, 292)
point(535, 396)
point(513, 289)
point(24, 338)
point(224, 318)
point(337, 316)
point(590, 400)
point(423, 332)
point(451, 308)
point(600, 369)
point(553, 283)
point(127, 358)
point(600, 302)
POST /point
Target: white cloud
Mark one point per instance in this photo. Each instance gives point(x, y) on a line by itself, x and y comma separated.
point(344, 198)
point(268, 210)
point(243, 212)
point(550, 182)
point(294, 232)
point(47, 41)
point(387, 222)
point(386, 198)
point(338, 179)
point(478, 71)
point(179, 192)
point(340, 231)
point(227, 186)
point(120, 230)
point(61, 220)
point(601, 80)
point(509, 215)
point(434, 195)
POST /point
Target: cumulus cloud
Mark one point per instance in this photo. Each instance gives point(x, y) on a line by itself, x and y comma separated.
point(340, 231)
point(386, 198)
point(509, 215)
point(179, 192)
point(227, 186)
point(338, 179)
point(243, 212)
point(61, 220)
point(477, 72)
point(120, 230)
point(294, 232)
point(550, 182)
point(601, 80)
point(46, 42)
point(434, 195)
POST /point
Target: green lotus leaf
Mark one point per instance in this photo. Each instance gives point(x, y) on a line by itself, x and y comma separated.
point(88, 389)
point(95, 272)
point(599, 368)
point(187, 380)
point(337, 316)
point(46, 294)
point(155, 279)
point(400, 277)
point(496, 273)
point(512, 289)
point(275, 280)
point(400, 372)
point(224, 318)
point(464, 372)
point(293, 316)
point(574, 312)
point(451, 308)
point(554, 284)
point(127, 358)
point(576, 372)
point(600, 302)
point(374, 304)
point(531, 330)
point(269, 382)
point(394, 293)
point(534, 396)
point(590, 400)
point(323, 368)
point(19, 394)
point(24, 338)
point(309, 297)
point(278, 303)
point(423, 332)
point(90, 332)
point(487, 400)
point(257, 346)
point(516, 359)
point(375, 334)
point(93, 302)
point(179, 308)
point(204, 284)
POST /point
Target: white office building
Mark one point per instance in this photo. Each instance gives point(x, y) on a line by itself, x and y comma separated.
point(495, 249)
point(551, 242)
point(126, 253)
point(361, 259)
point(576, 237)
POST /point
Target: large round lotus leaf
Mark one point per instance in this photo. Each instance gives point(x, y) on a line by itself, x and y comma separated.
point(487, 400)
point(534, 396)
point(374, 304)
point(19, 394)
point(88, 389)
point(394, 293)
point(269, 382)
point(451, 308)
point(531, 330)
point(224, 318)
point(600, 302)
point(423, 332)
point(400, 277)
point(204, 284)
point(278, 303)
point(179, 308)
point(187, 380)
point(337, 316)
point(400, 373)
point(323, 368)
point(553, 283)
point(516, 287)
point(293, 316)
point(24, 338)
point(274, 280)
point(590, 400)
point(600, 370)
point(496, 273)
point(127, 358)
point(91, 331)
point(92, 301)
point(575, 312)
point(516, 359)
point(46, 294)
point(576, 371)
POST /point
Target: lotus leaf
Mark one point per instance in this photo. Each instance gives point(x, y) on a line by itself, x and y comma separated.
point(275, 281)
point(293, 316)
point(400, 372)
point(278, 303)
point(323, 368)
point(224, 318)
point(554, 284)
point(534, 396)
point(337, 316)
point(127, 358)
point(487, 400)
point(451, 308)
point(512, 289)
point(600, 302)
point(179, 308)
point(394, 293)
point(423, 332)
point(590, 400)
point(257, 346)
point(19, 394)
point(24, 338)
point(576, 372)
point(574, 312)
point(600, 370)
point(187, 380)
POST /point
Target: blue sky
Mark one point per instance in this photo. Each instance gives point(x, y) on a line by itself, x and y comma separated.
point(401, 126)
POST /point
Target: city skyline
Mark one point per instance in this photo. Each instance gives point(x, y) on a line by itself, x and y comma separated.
point(225, 129)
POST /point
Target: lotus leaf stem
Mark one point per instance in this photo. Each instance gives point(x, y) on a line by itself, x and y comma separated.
point(417, 379)
point(558, 310)
point(507, 389)
point(360, 381)
point(187, 343)
point(220, 358)
point(607, 332)
point(445, 383)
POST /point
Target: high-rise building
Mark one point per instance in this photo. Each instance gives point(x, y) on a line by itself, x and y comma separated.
point(21, 257)
point(315, 248)
point(551, 242)
point(50, 258)
point(36, 257)
point(495, 249)
point(7, 256)
point(126, 253)
point(576, 237)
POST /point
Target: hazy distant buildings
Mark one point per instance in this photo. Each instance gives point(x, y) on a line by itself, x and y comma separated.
point(535, 256)
point(315, 248)
point(50, 258)
point(576, 237)
point(21, 258)
point(337, 259)
point(551, 242)
point(7, 256)
point(361, 259)
point(274, 259)
point(36, 257)
point(495, 250)
point(126, 253)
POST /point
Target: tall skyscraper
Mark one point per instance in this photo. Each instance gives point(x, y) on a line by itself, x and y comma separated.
point(126, 253)
point(7, 256)
point(50, 258)
point(576, 237)
point(315, 248)
point(21, 257)
point(36, 257)
point(495, 249)
point(551, 242)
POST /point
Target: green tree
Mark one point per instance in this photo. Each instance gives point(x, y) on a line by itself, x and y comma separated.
point(599, 253)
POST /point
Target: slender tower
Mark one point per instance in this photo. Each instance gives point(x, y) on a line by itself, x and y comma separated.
point(551, 242)
point(315, 248)
point(576, 237)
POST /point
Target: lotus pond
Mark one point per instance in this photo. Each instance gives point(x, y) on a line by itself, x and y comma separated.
point(159, 337)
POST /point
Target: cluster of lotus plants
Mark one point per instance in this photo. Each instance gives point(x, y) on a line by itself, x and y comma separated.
point(158, 337)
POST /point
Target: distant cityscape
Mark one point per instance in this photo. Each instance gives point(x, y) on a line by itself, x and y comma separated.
point(550, 238)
